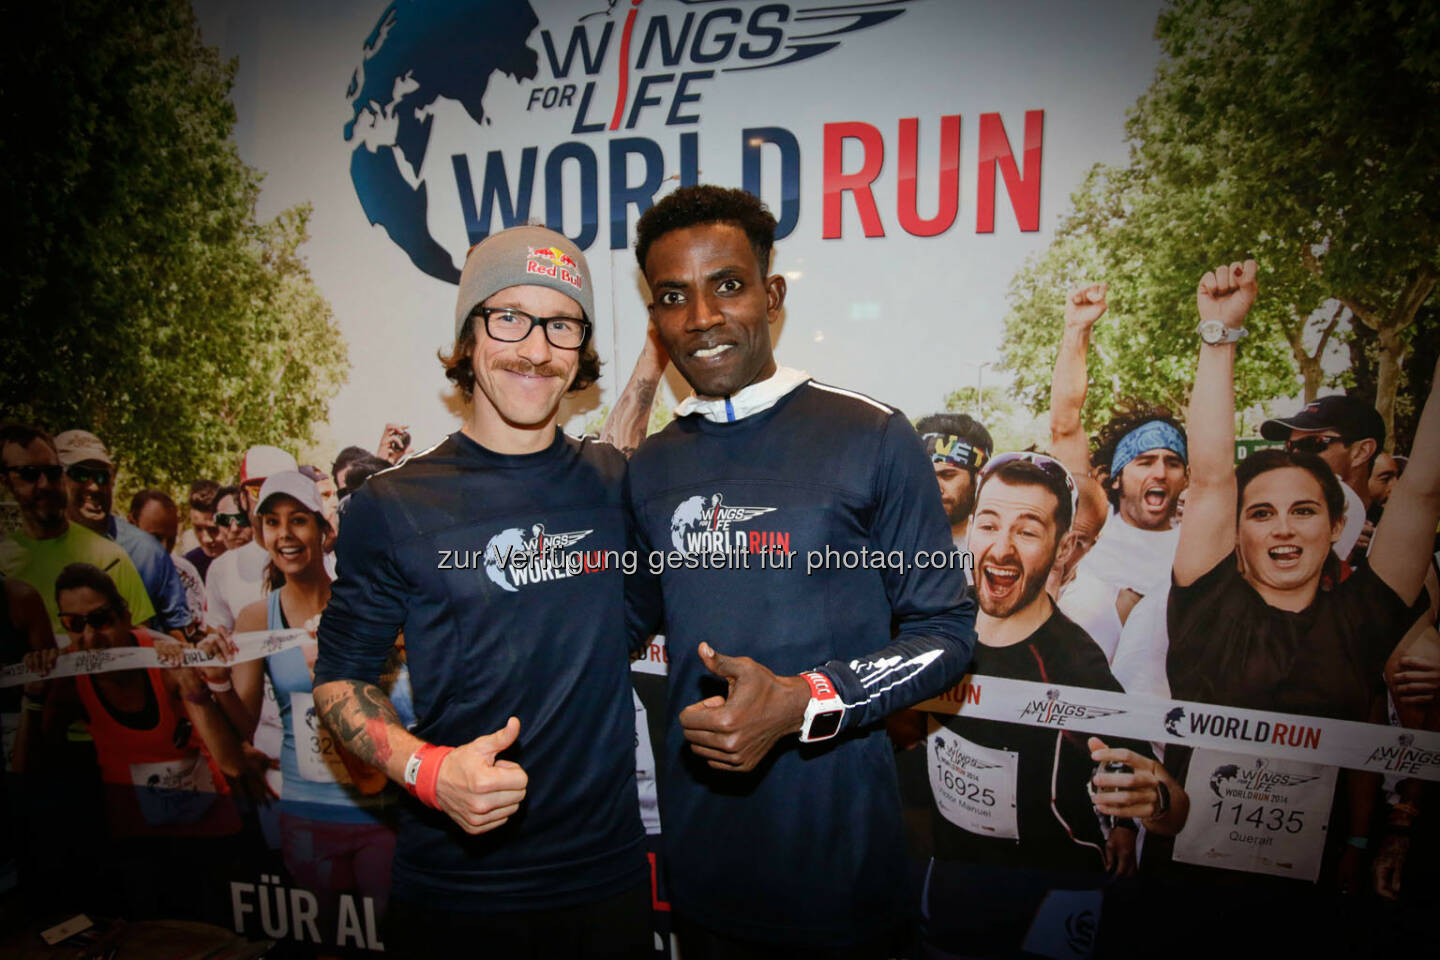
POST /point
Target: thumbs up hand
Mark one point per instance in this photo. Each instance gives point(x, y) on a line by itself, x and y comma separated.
point(477, 790)
point(736, 731)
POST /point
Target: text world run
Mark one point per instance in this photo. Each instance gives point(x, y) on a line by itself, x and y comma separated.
point(507, 185)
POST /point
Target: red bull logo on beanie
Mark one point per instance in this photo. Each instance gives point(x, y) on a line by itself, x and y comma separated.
point(555, 263)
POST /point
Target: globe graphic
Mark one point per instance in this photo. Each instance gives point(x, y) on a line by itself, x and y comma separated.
point(419, 51)
point(689, 517)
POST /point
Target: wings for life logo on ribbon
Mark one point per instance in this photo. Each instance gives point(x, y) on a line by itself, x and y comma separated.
point(1055, 710)
point(515, 558)
point(701, 525)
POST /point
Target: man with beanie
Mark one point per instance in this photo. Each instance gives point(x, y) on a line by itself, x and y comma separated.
point(496, 552)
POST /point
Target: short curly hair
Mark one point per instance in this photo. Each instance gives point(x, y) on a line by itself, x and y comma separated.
point(707, 203)
point(1126, 418)
point(460, 366)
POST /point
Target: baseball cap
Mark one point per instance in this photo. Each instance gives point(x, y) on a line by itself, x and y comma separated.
point(77, 446)
point(519, 256)
point(1351, 417)
point(291, 483)
point(263, 460)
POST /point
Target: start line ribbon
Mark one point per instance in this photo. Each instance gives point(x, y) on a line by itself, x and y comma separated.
point(1337, 743)
point(252, 646)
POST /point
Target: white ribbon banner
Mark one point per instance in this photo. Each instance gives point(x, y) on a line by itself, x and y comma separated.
point(1339, 743)
point(252, 646)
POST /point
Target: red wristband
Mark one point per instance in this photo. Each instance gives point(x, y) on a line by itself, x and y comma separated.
point(431, 757)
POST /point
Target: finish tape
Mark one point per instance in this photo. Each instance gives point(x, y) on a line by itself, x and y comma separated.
point(1338, 743)
point(252, 646)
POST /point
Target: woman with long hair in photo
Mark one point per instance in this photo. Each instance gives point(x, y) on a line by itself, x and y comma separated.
point(336, 837)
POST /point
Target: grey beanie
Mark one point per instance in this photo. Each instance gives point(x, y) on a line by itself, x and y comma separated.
point(523, 255)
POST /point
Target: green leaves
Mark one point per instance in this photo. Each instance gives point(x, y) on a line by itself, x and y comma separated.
point(148, 304)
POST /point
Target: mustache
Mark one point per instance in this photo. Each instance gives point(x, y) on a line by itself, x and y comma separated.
point(517, 365)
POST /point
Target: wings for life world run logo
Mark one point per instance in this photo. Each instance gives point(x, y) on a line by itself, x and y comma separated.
point(702, 525)
point(515, 559)
point(607, 69)
point(1231, 781)
point(1404, 757)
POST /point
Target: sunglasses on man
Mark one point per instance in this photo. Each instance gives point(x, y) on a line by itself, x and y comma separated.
point(83, 475)
point(227, 520)
point(99, 618)
point(31, 474)
point(1314, 445)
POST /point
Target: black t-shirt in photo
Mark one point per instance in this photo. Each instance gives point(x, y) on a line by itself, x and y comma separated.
point(1063, 835)
point(1229, 647)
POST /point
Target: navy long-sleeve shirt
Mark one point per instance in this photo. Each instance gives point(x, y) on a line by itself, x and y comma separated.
point(808, 847)
point(496, 569)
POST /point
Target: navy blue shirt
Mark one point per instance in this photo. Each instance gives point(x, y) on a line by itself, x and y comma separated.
point(809, 846)
point(492, 565)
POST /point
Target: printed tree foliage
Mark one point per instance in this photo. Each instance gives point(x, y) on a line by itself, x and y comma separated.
point(1298, 133)
point(145, 302)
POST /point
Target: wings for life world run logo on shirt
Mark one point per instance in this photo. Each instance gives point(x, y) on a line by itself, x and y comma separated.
point(1231, 781)
point(590, 74)
point(1055, 711)
point(515, 559)
point(702, 525)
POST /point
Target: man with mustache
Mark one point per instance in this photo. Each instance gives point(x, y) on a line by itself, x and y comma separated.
point(781, 845)
point(1016, 807)
point(496, 552)
point(47, 541)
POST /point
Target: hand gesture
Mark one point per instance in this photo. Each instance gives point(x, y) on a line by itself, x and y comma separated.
point(217, 643)
point(41, 662)
point(1416, 682)
point(1085, 305)
point(478, 791)
point(1227, 293)
point(1134, 794)
point(394, 442)
point(736, 731)
point(1389, 864)
point(169, 651)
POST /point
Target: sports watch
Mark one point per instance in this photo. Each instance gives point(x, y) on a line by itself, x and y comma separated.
point(824, 712)
point(1215, 333)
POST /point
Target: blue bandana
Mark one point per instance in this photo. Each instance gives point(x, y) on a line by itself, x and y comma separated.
point(1152, 435)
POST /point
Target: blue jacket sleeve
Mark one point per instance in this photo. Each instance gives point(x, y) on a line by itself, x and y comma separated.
point(933, 611)
point(368, 599)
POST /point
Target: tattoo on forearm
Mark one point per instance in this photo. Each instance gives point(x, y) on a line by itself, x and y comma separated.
point(625, 427)
point(360, 717)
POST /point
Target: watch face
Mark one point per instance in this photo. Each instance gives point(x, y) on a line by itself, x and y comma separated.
point(824, 725)
point(1211, 331)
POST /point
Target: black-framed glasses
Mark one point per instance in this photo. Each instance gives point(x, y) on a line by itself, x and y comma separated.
point(31, 473)
point(98, 618)
point(1314, 445)
point(509, 325)
point(227, 520)
point(1046, 463)
point(100, 476)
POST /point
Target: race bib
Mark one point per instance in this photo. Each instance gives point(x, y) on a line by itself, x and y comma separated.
point(315, 752)
point(174, 792)
point(973, 786)
point(1256, 814)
